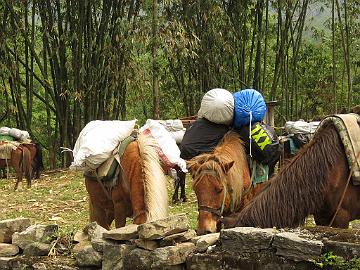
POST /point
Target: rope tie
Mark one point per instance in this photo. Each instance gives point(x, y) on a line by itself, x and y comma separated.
point(250, 133)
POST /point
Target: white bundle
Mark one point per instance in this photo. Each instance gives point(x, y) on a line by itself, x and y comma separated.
point(19, 134)
point(301, 127)
point(168, 150)
point(217, 106)
point(175, 127)
point(4, 131)
point(97, 141)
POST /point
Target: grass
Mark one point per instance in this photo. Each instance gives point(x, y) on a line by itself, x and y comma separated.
point(60, 198)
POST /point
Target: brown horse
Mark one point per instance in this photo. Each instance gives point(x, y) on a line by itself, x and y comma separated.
point(140, 191)
point(36, 158)
point(221, 181)
point(20, 160)
point(315, 181)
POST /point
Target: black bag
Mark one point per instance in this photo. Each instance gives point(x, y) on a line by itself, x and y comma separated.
point(201, 137)
point(265, 146)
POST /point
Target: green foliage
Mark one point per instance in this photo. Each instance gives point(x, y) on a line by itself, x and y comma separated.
point(331, 261)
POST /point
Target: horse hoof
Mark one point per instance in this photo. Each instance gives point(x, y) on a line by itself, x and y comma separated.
point(184, 199)
point(175, 200)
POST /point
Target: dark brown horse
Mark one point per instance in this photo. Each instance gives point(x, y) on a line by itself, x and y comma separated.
point(221, 181)
point(140, 191)
point(315, 181)
point(20, 160)
point(36, 158)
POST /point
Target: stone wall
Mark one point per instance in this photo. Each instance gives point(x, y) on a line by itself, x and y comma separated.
point(170, 244)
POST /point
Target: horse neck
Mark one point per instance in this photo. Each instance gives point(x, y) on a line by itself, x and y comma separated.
point(299, 188)
point(238, 177)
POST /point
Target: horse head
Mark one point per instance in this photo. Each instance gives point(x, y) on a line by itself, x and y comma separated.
point(209, 174)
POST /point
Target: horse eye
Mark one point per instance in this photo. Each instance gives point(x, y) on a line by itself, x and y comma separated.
point(219, 189)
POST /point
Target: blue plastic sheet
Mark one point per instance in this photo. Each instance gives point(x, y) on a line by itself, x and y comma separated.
point(248, 102)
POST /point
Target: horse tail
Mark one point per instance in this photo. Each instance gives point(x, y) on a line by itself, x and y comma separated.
point(26, 163)
point(39, 157)
point(155, 189)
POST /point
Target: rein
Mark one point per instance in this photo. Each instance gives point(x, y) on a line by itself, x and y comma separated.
point(219, 211)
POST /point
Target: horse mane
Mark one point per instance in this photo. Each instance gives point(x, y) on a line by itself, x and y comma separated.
point(231, 148)
point(298, 189)
point(155, 189)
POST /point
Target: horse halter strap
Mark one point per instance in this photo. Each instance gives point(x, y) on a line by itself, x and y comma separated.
point(220, 210)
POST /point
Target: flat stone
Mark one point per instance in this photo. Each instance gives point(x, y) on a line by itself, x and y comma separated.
point(8, 250)
point(9, 226)
point(171, 255)
point(246, 239)
point(290, 245)
point(204, 241)
point(122, 234)
point(174, 239)
point(158, 229)
point(146, 244)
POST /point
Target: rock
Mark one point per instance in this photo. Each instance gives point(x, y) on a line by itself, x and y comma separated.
point(204, 241)
point(8, 250)
point(146, 244)
point(137, 259)
point(94, 233)
point(246, 239)
point(80, 246)
point(122, 234)
point(9, 226)
point(290, 245)
point(80, 236)
point(171, 255)
point(88, 257)
point(35, 233)
point(37, 249)
point(177, 238)
point(163, 227)
point(343, 249)
point(113, 256)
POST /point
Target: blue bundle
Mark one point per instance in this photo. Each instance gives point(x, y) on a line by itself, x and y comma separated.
point(248, 103)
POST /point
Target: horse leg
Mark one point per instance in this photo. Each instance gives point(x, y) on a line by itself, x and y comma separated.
point(121, 213)
point(99, 215)
point(175, 198)
point(182, 177)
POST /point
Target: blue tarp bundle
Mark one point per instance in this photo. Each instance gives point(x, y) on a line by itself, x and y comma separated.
point(246, 102)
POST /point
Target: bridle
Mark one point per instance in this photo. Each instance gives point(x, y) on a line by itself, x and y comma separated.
point(216, 211)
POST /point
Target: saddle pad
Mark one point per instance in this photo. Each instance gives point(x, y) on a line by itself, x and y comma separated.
point(348, 128)
point(6, 148)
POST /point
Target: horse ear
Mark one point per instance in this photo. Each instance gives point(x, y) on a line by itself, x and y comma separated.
point(227, 166)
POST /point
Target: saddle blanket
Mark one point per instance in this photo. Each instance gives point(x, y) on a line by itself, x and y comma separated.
point(348, 128)
point(6, 148)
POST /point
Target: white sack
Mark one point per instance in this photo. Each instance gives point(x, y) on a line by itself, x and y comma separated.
point(168, 150)
point(4, 131)
point(301, 127)
point(15, 132)
point(178, 135)
point(97, 141)
point(171, 125)
point(217, 106)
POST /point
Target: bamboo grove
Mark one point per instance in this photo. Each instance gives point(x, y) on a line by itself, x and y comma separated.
point(65, 63)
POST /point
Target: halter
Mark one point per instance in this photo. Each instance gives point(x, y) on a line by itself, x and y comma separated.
point(217, 211)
